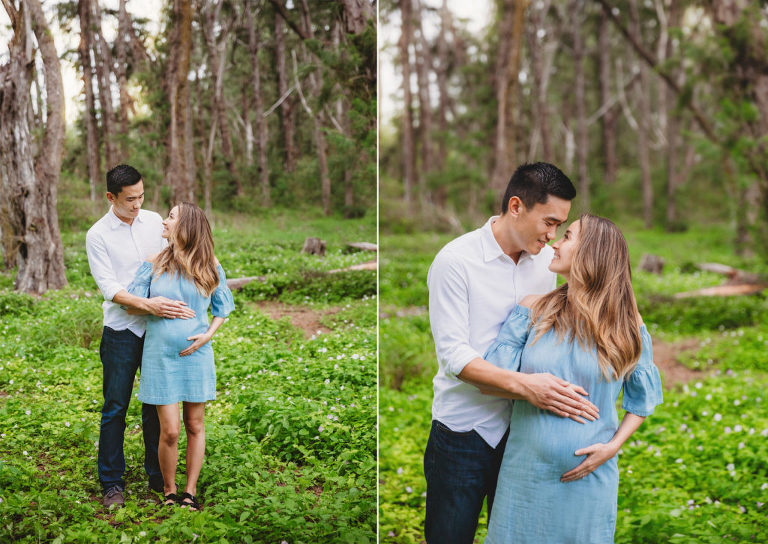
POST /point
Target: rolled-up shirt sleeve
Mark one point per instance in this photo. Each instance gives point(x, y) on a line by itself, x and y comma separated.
point(449, 313)
point(101, 266)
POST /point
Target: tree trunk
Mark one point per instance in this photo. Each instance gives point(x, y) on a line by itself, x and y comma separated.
point(408, 157)
point(316, 84)
point(121, 50)
point(609, 120)
point(103, 66)
point(179, 174)
point(423, 59)
point(506, 73)
point(258, 99)
point(91, 140)
point(643, 122)
point(582, 144)
point(30, 185)
point(343, 115)
point(286, 108)
point(540, 70)
point(216, 58)
point(357, 13)
point(441, 192)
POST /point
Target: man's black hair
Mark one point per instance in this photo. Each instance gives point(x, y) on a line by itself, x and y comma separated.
point(533, 183)
point(121, 176)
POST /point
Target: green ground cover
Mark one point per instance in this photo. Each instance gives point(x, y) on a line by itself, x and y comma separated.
point(291, 438)
point(694, 472)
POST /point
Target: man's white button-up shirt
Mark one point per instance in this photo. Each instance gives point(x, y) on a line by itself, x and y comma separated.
point(115, 252)
point(473, 286)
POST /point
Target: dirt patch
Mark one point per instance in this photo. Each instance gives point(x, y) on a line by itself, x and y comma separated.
point(301, 317)
point(665, 356)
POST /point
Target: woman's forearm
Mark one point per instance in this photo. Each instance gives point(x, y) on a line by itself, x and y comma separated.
point(216, 322)
point(629, 424)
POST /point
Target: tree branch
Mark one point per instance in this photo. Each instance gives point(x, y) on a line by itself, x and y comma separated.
point(280, 8)
point(648, 57)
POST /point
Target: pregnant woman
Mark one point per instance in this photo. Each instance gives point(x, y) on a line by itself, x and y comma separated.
point(559, 481)
point(175, 370)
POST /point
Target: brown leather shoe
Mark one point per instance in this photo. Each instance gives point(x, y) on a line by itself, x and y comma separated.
point(114, 495)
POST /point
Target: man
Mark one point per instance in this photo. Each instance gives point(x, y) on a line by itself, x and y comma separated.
point(117, 244)
point(474, 282)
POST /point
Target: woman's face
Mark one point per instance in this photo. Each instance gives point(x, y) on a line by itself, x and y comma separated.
point(170, 222)
point(565, 248)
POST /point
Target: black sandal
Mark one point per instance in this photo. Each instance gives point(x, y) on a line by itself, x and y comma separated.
point(192, 504)
point(173, 497)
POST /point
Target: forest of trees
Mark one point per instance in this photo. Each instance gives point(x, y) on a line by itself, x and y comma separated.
point(657, 106)
point(234, 104)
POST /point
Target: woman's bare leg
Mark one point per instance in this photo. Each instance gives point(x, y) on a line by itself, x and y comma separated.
point(168, 451)
point(194, 423)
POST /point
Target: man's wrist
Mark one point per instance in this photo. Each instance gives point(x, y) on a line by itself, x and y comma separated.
point(517, 384)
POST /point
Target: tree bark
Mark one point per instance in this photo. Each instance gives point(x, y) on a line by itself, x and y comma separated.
point(103, 66)
point(539, 63)
point(179, 174)
point(316, 83)
point(610, 118)
point(121, 71)
point(258, 106)
point(582, 146)
point(642, 132)
point(357, 13)
point(216, 49)
point(408, 158)
point(287, 106)
point(29, 184)
point(423, 67)
point(91, 141)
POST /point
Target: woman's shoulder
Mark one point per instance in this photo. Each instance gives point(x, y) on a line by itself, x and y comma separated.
point(530, 300)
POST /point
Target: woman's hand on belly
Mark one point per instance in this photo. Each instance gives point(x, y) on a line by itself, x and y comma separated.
point(198, 340)
point(597, 454)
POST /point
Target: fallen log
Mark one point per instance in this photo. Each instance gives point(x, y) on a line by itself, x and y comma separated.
point(370, 265)
point(235, 284)
point(361, 246)
point(728, 290)
point(733, 274)
point(314, 246)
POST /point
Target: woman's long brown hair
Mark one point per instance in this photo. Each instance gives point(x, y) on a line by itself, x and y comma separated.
point(597, 306)
point(190, 250)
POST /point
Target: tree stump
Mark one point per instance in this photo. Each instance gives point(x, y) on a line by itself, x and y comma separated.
point(314, 246)
point(651, 263)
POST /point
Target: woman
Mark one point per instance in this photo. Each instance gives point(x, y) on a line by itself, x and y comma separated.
point(173, 370)
point(558, 480)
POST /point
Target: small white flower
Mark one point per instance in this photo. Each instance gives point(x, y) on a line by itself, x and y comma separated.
point(730, 466)
point(718, 417)
point(66, 423)
point(399, 470)
point(327, 381)
point(408, 489)
point(28, 412)
point(25, 453)
point(320, 429)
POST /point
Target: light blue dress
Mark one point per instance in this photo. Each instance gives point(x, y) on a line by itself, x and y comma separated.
point(531, 504)
point(167, 377)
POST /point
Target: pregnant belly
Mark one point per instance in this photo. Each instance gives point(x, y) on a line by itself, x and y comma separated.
point(542, 441)
point(172, 334)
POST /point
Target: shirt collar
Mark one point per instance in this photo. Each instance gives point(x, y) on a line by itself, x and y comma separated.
point(115, 221)
point(491, 248)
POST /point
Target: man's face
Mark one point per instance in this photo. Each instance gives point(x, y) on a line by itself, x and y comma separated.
point(127, 202)
point(536, 226)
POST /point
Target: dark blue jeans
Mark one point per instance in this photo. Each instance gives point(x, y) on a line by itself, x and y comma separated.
point(120, 358)
point(461, 470)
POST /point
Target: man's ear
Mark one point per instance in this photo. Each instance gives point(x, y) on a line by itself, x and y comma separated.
point(112, 198)
point(515, 206)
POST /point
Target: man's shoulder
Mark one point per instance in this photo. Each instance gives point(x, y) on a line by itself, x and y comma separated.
point(98, 227)
point(462, 247)
point(148, 215)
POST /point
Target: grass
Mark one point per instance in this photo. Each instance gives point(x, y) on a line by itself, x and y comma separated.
point(291, 439)
point(695, 470)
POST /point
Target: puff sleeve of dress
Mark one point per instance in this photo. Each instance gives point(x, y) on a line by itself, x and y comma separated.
point(507, 350)
point(222, 302)
point(140, 284)
point(642, 388)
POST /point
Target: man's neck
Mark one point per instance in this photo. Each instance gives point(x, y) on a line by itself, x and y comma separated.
point(128, 220)
point(500, 233)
